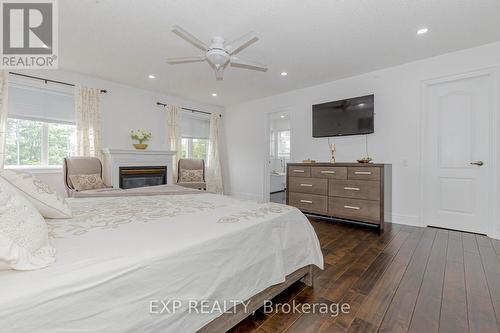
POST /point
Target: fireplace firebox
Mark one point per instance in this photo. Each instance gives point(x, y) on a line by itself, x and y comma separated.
point(132, 177)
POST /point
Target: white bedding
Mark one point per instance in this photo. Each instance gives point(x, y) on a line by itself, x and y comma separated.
point(116, 255)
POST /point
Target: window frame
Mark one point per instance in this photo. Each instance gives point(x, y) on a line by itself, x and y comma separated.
point(189, 147)
point(44, 159)
point(274, 144)
point(278, 140)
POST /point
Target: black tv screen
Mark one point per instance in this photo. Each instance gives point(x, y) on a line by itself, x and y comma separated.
point(351, 116)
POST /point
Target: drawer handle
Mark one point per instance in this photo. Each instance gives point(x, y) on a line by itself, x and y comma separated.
point(306, 185)
point(362, 173)
point(328, 171)
point(306, 201)
point(352, 188)
point(352, 207)
point(302, 171)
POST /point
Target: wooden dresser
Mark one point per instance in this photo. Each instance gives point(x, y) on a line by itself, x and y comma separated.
point(348, 191)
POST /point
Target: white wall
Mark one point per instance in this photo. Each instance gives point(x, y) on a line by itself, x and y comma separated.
point(123, 108)
point(397, 125)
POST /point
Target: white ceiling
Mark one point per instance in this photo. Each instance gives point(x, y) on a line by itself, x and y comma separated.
point(314, 41)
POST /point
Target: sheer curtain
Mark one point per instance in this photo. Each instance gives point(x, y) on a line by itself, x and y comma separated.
point(88, 121)
point(174, 135)
point(213, 175)
point(4, 83)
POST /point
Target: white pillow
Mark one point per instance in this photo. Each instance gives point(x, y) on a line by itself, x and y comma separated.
point(24, 238)
point(44, 198)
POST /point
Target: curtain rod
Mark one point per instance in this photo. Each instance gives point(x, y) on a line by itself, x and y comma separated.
point(187, 109)
point(48, 80)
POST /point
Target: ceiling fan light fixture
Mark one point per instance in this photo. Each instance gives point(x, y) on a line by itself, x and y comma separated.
point(219, 53)
point(218, 57)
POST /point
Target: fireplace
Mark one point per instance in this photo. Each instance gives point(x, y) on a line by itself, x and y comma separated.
point(141, 176)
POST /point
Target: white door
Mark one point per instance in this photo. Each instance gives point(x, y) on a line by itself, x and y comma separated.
point(457, 149)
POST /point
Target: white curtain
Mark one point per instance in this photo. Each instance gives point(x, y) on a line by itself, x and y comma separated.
point(213, 174)
point(174, 135)
point(4, 84)
point(88, 121)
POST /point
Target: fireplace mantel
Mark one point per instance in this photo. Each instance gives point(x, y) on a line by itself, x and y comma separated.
point(116, 158)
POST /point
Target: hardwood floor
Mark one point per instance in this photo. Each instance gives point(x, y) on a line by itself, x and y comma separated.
point(406, 279)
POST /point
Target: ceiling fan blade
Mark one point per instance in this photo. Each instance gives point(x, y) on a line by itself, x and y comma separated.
point(235, 61)
point(180, 60)
point(189, 37)
point(219, 73)
point(240, 43)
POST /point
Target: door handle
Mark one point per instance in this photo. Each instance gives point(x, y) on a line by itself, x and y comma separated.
point(478, 163)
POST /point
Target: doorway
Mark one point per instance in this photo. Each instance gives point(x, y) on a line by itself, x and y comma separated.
point(279, 155)
point(459, 154)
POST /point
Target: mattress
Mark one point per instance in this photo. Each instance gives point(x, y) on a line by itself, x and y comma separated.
point(118, 257)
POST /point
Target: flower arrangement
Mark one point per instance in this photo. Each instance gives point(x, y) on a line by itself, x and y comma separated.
point(140, 135)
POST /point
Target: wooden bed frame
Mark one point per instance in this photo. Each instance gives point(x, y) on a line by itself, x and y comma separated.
point(235, 315)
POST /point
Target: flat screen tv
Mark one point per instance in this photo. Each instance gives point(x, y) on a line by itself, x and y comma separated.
point(351, 116)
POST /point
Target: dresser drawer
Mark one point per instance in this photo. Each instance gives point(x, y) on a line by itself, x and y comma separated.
point(356, 209)
point(357, 189)
point(309, 202)
point(363, 173)
point(299, 171)
point(308, 185)
point(329, 172)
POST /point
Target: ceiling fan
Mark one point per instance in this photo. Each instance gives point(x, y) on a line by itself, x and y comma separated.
point(219, 54)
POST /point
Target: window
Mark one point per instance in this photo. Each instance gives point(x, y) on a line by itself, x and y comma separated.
point(194, 148)
point(194, 133)
point(272, 148)
point(38, 143)
point(280, 144)
point(283, 144)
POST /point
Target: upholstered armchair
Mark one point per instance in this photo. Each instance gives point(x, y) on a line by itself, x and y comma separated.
point(80, 166)
point(191, 173)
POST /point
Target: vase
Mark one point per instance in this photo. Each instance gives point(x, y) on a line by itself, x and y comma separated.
point(140, 145)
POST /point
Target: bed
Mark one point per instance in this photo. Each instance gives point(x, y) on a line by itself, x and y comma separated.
point(118, 258)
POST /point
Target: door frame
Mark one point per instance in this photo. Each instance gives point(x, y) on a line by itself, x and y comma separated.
point(266, 189)
point(493, 225)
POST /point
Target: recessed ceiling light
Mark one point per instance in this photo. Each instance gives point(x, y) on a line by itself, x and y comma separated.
point(151, 76)
point(284, 73)
point(282, 116)
point(214, 94)
point(422, 31)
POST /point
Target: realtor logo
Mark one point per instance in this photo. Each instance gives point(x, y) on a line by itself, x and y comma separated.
point(29, 36)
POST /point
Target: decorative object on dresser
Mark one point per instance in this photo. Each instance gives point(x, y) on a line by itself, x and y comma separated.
point(333, 150)
point(141, 136)
point(345, 191)
point(365, 160)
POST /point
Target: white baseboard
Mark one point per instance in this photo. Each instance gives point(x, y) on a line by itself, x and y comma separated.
point(411, 220)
